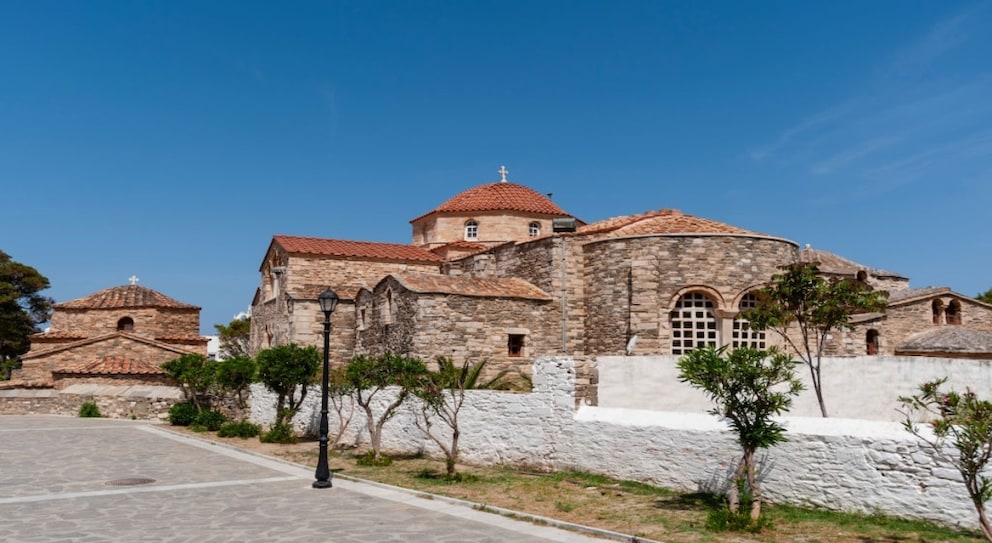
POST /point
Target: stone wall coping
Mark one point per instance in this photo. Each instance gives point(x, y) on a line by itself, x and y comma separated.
point(134, 391)
point(28, 393)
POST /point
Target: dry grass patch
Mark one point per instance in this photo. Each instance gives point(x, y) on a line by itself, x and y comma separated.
point(622, 506)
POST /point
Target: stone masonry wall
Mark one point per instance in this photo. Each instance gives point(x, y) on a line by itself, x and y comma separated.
point(40, 367)
point(861, 466)
point(632, 283)
point(478, 329)
point(148, 321)
point(540, 263)
point(119, 402)
point(278, 319)
point(903, 321)
point(494, 227)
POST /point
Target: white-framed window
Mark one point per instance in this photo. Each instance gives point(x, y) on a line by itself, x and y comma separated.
point(471, 230)
point(743, 334)
point(534, 229)
point(694, 323)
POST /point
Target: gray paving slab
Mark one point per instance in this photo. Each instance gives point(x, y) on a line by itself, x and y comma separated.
point(54, 475)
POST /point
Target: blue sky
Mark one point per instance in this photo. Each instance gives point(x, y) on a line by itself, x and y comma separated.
point(172, 139)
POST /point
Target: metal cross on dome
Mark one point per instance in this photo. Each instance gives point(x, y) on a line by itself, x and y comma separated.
point(502, 172)
point(133, 279)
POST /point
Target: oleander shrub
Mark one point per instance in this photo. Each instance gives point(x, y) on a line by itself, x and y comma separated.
point(209, 419)
point(89, 410)
point(241, 428)
point(182, 414)
point(279, 433)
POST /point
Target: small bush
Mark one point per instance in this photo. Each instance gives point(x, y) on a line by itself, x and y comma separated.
point(725, 520)
point(279, 433)
point(369, 459)
point(241, 428)
point(182, 414)
point(89, 410)
point(211, 420)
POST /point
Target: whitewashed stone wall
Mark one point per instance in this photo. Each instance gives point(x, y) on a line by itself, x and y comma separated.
point(843, 464)
point(863, 387)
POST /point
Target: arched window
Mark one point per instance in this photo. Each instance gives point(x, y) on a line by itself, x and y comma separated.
point(471, 230)
point(534, 229)
point(693, 323)
point(938, 311)
point(871, 342)
point(126, 324)
point(862, 276)
point(953, 312)
point(387, 310)
point(743, 334)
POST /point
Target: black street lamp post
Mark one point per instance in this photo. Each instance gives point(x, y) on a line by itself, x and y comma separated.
point(328, 301)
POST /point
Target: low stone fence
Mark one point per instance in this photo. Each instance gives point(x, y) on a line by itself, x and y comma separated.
point(140, 402)
point(842, 464)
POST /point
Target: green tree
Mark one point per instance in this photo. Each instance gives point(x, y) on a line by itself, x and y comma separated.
point(195, 374)
point(371, 375)
point(442, 393)
point(741, 384)
point(22, 309)
point(235, 337)
point(288, 371)
point(985, 296)
point(233, 377)
point(800, 296)
point(965, 422)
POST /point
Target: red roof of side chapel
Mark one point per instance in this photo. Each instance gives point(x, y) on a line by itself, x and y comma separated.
point(359, 249)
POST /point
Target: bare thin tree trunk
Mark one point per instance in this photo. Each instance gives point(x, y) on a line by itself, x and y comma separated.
point(752, 481)
point(734, 494)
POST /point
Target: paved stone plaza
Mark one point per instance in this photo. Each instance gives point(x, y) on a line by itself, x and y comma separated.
point(66, 479)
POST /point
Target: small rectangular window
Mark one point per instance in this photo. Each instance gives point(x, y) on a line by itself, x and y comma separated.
point(515, 345)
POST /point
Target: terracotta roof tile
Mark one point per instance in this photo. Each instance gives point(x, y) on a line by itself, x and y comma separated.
point(834, 264)
point(948, 339)
point(903, 295)
point(112, 365)
point(360, 249)
point(663, 221)
point(471, 286)
point(126, 296)
point(499, 196)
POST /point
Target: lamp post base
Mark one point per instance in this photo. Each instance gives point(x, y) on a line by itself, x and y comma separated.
point(322, 484)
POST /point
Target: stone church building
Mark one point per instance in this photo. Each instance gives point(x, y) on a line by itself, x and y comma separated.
point(500, 272)
point(119, 335)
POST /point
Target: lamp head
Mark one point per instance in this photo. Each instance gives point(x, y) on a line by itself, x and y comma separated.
point(328, 301)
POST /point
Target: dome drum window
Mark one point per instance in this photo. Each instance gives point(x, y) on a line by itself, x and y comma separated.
point(471, 230)
point(125, 324)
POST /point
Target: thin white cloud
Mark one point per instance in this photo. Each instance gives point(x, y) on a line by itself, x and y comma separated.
point(897, 130)
point(943, 37)
point(823, 118)
point(845, 158)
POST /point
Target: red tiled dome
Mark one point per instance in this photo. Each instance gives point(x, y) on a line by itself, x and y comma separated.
point(499, 196)
point(124, 296)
